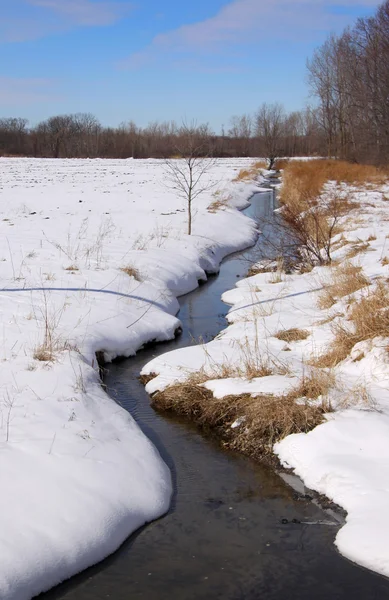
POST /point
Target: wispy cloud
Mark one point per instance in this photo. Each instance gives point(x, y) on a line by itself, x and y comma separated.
point(85, 12)
point(245, 21)
point(26, 91)
point(25, 20)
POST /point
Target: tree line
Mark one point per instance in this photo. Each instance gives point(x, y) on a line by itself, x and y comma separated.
point(82, 136)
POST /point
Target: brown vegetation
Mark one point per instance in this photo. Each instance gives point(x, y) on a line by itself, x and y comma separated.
point(250, 173)
point(345, 280)
point(132, 272)
point(281, 164)
point(260, 421)
point(219, 202)
point(304, 179)
point(314, 221)
point(357, 249)
point(368, 318)
point(292, 335)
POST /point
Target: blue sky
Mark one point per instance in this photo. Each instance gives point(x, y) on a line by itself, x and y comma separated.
point(146, 60)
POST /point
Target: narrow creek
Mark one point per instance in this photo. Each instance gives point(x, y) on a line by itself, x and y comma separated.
point(235, 529)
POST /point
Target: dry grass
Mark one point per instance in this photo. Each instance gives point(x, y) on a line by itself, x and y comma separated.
point(44, 353)
point(71, 268)
point(242, 175)
point(305, 179)
point(252, 363)
point(51, 347)
point(219, 202)
point(357, 249)
point(260, 164)
point(268, 266)
point(345, 280)
point(281, 164)
point(277, 274)
point(251, 172)
point(132, 272)
point(358, 396)
point(385, 261)
point(329, 319)
point(264, 419)
point(315, 221)
point(292, 335)
point(368, 318)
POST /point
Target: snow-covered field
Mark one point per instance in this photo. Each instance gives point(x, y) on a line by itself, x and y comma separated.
point(77, 475)
point(347, 457)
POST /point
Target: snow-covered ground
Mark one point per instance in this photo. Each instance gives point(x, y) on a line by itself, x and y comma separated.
point(77, 475)
point(347, 457)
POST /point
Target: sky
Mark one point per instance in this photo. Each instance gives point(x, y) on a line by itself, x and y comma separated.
point(154, 60)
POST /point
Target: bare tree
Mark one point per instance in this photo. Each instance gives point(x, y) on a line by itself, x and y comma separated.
point(186, 175)
point(270, 127)
point(241, 131)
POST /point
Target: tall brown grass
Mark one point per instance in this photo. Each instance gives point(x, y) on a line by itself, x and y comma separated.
point(264, 419)
point(281, 164)
point(314, 223)
point(251, 172)
point(345, 279)
point(368, 318)
point(304, 180)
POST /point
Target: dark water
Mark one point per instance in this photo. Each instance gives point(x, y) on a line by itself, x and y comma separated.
point(235, 529)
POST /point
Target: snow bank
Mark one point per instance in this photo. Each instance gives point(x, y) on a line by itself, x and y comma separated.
point(346, 458)
point(78, 476)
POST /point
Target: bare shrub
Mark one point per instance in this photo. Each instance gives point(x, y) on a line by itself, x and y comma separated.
point(314, 224)
point(314, 221)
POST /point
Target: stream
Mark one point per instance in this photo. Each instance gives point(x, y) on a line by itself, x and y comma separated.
point(236, 530)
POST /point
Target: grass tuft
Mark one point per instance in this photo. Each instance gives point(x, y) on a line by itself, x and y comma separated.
point(132, 272)
point(292, 335)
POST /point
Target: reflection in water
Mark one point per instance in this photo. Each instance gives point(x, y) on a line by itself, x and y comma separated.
point(235, 529)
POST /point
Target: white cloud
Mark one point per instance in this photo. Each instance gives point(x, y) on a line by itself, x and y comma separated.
point(85, 12)
point(25, 20)
point(25, 91)
point(242, 21)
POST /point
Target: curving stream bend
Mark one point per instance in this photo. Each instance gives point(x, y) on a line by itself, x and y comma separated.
point(235, 530)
